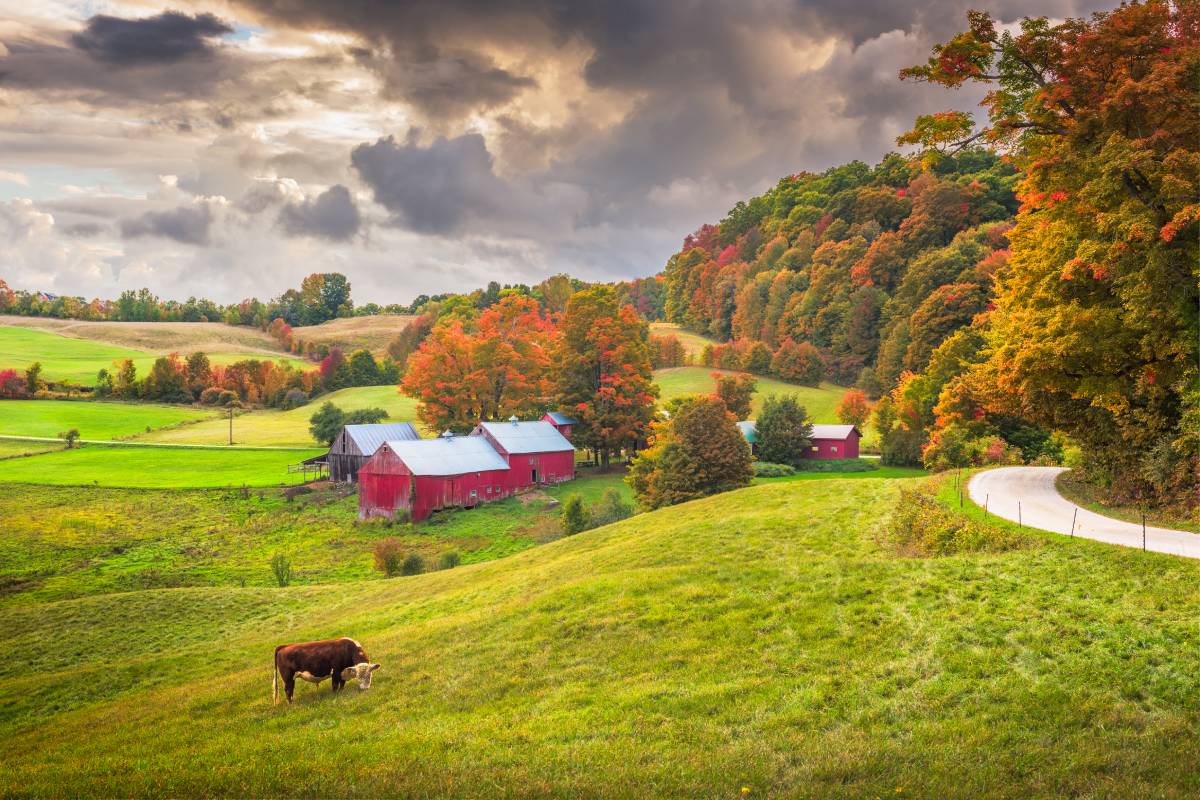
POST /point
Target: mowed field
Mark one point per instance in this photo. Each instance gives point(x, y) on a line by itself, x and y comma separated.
point(761, 643)
point(156, 337)
point(136, 466)
point(820, 401)
point(64, 358)
point(93, 420)
point(286, 428)
point(351, 333)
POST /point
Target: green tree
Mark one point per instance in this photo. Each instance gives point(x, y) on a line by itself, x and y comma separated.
point(126, 384)
point(574, 515)
point(699, 452)
point(33, 378)
point(364, 371)
point(783, 431)
point(327, 423)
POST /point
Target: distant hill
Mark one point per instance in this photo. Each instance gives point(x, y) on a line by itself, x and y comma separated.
point(351, 333)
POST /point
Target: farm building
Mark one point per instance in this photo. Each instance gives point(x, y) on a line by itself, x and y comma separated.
point(496, 460)
point(828, 441)
point(356, 443)
point(561, 422)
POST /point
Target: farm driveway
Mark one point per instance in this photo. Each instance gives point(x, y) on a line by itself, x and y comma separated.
point(1041, 506)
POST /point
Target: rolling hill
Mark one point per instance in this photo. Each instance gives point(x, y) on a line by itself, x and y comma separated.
point(758, 643)
point(820, 401)
point(351, 333)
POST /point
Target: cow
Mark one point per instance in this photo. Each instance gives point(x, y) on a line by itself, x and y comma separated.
point(340, 659)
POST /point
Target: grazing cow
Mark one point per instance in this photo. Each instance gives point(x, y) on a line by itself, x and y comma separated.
point(340, 659)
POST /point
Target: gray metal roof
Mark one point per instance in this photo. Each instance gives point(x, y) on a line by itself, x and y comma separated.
point(368, 438)
point(561, 419)
point(448, 455)
point(527, 437)
point(820, 431)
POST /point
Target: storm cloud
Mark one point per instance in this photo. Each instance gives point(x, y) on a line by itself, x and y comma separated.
point(186, 225)
point(331, 215)
point(162, 39)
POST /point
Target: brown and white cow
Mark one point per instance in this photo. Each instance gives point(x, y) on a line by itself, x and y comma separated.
point(341, 659)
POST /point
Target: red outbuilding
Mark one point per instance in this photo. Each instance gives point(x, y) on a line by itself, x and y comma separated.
point(562, 423)
point(828, 441)
point(497, 460)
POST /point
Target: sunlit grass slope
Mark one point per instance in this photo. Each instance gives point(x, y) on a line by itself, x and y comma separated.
point(351, 333)
point(155, 467)
point(819, 401)
point(65, 358)
point(693, 343)
point(272, 427)
point(94, 420)
point(759, 639)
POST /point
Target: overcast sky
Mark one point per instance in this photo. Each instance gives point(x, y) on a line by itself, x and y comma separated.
point(226, 149)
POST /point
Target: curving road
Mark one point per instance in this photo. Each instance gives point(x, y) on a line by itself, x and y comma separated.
point(1041, 506)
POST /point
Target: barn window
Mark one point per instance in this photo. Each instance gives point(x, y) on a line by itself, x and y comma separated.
point(497, 490)
point(833, 449)
point(816, 449)
point(474, 494)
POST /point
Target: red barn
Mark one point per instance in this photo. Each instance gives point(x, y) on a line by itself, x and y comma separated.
point(497, 460)
point(561, 422)
point(828, 441)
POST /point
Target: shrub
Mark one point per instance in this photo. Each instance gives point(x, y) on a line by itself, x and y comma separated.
point(450, 559)
point(293, 399)
point(401, 516)
point(837, 465)
point(765, 469)
point(574, 515)
point(611, 508)
point(413, 565)
point(210, 395)
point(281, 568)
point(389, 556)
point(922, 526)
point(70, 437)
point(226, 398)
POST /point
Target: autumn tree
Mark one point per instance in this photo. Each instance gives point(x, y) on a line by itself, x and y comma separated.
point(33, 378)
point(736, 392)
point(854, 408)
point(441, 376)
point(167, 381)
point(604, 378)
point(1094, 327)
point(698, 452)
point(783, 431)
point(798, 362)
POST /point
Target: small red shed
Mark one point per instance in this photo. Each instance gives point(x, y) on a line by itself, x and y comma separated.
point(828, 441)
point(561, 422)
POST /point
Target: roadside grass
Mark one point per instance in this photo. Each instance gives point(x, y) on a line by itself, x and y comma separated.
point(93, 419)
point(1084, 495)
point(64, 358)
point(881, 473)
point(128, 466)
point(61, 543)
point(693, 343)
point(820, 401)
point(374, 333)
point(759, 639)
point(286, 428)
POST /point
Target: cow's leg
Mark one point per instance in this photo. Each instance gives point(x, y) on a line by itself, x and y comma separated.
point(289, 683)
point(337, 681)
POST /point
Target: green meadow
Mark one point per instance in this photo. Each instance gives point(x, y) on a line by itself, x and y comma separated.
point(289, 428)
point(763, 643)
point(93, 420)
point(64, 358)
point(156, 467)
point(820, 401)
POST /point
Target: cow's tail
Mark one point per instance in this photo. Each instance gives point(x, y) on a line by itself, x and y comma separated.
point(275, 679)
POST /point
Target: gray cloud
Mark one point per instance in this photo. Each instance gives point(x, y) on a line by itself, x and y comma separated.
point(83, 229)
point(332, 215)
point(434, 189)
point(162, 39)
point(186, 225)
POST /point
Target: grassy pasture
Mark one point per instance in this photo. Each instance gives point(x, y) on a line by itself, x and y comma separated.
point(693, 343)
point(16, 448)
point(157, 337)
point(760, 639)
point(95, 420)
point(351, 333)
point(288, 428)
point(62, 543)
point(78, 360)
point(129, 466)
point(820, 401)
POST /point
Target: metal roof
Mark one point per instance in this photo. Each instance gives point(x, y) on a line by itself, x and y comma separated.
point(370, 437)
point(820, 431)
point(448, 455)
point(559, 418)
point(527, 437)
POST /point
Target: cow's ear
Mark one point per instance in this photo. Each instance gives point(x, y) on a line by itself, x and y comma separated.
point(375, 667)
point(348, 674)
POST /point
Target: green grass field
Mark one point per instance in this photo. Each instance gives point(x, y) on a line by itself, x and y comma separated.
point(760, 639)
point(820, 402)
point(94, 420)
point(64, 358)
point(61, 543)
point(288, 428)
point(155, 467)
point(16, 448)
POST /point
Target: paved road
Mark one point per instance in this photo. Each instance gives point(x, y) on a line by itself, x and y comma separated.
point(1041, 506)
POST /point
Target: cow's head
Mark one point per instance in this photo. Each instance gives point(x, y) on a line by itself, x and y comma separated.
point(361, 673)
